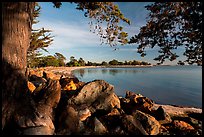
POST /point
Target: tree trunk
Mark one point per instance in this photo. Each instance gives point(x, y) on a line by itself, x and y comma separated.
point(21, 114)
point(16, 31)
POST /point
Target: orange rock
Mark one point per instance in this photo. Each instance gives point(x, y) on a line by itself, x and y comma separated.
point(31, 86)
point(114, 112)
point(50, 75)
point(70, 86)
point(84, 114)
point(182, 125)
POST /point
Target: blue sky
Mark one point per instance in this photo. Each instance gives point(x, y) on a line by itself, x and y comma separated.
point(73, 36)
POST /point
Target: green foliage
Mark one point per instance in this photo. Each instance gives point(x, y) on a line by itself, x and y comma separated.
point(61, 59)
point(34, 59)
point(104, 63)
point(50, 60)
point(40, 39)
point(113, 62)
point(171, 25)
point(81, 62)
point(73, 62)
point(104, 12)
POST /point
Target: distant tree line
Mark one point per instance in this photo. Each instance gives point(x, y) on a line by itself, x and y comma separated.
point(74, 62)
point(44, 61)
point(59, 60)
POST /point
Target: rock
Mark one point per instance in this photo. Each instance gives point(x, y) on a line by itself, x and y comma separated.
point(37, 78)
point(132, 95)
point(38, 89)
point(139, 102)
point(114, 112)
point(37, 81)
point(31, 86)
point(181, 125)
point(195, 115)
point(132, 126)
point(84, 114)
point(162, 116)
point(136, 102)
point(126, 105)
point(111, 120)
point(106, 102)
point(178, 111)
point(163, 131)
point(80, 84)
point(68, 83)
point(99, 128)
point(35, 72)
point(144, 104)
point(183, 128)
point(117, 131)
point(49, 75)
point(38, 131)
point(149, 123)
point(68, 121)
point(97, 94)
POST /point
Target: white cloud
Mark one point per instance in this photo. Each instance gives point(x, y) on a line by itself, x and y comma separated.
point(69, 35)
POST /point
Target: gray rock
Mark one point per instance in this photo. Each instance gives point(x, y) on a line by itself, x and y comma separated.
point(68, 121)
point(132, 126)
point(99, 128)
point(97, 94)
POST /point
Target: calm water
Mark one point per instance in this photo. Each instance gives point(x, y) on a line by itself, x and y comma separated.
point(177, 85)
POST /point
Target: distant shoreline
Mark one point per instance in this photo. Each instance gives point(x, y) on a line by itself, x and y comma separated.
point(69, 70)
point(127, 66)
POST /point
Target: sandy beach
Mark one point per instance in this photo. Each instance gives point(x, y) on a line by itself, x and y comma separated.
point(67, 71)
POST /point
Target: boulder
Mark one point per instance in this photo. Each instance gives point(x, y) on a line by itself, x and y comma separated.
point(68, 83)
point(68, 121)
point(99, 128)
point(97, 94)
point(49, 75)
point(181, 125)
point(183, 128)
point(114, 112)
point(35, 72)
point(162, 116)
point(132, 126)
point(112, 120)
point(84, 114)
point(37, 81)
point(136, 102)
point(149, 123)
point(180, 111)
point(132, 95)
point(37, 78)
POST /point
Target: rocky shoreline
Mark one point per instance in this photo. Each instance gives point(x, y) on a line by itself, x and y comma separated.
point(93, 108)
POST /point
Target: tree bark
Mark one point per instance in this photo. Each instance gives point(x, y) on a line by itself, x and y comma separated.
point(16, 31)
point(21, 114)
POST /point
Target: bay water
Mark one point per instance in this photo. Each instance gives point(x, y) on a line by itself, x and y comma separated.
point(174, 85)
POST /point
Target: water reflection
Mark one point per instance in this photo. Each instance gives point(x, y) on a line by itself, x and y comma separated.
point(81, 72)
point(179, 85)
point(111, 71)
